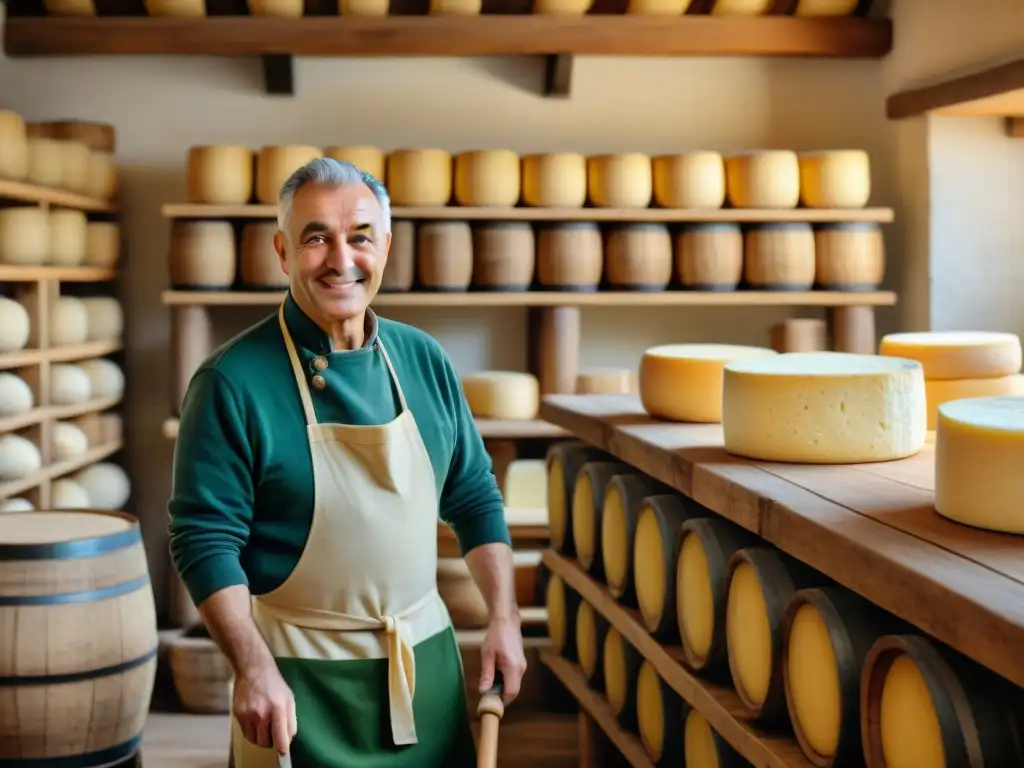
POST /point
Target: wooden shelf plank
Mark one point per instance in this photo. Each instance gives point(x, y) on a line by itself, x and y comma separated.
point(867, 526)
point(37, 415)
point(58, 469)
point(31, 193)
point(488, 35)
point(66, 354)
point(487, 299)
point(719, 704)
point(994, 92)
point(15, 274)
point(521, 213)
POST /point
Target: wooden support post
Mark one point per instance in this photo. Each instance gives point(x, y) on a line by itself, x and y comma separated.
point(555, 341)
point(853, 330)
point(1015, 127)
point(191, 343)
point(279, 74)
point(558, 76)
point(799, 335)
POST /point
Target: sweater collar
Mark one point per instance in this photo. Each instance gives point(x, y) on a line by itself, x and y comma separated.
point(308, 334)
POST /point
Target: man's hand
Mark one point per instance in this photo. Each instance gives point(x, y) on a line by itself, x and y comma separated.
point(265, 708)
point(503, 650)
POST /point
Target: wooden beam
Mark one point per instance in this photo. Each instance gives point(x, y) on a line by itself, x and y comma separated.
point(996, 91)
point(1015, 127)
point(279, 74)
point(558, 76)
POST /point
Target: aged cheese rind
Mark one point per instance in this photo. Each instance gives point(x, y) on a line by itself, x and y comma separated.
point(502, 394)
point(957, 354)
point(941, 391)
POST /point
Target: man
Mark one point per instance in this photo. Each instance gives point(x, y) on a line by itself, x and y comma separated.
point(315, 453)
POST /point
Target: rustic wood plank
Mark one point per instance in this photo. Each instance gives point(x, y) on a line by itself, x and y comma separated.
point(996, 91)
point(875, 534)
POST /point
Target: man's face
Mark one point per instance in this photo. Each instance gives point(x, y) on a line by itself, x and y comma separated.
point(334, 250)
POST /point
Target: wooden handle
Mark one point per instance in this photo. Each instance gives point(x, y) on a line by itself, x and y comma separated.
point(490, 710)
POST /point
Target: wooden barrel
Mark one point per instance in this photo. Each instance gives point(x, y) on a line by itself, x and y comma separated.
point(779, 256)
point(623, 498)
point(564, 461)
point(570, 256)
point(621, 667)
point(660, 715)
point(75, 592)
point(587, 509)
point(259, 264)
point(400, 268)
point(761, 584)
point(827, 635)
point(203, 678)
point(591, 631)
point(459, 592)
point(202, 256)
point(638, 257)
point(704, 748)
point(709, 257)
point(444, 256)
point(655, 545)
point(503, 256)
point(706, 545)
point(959, 713)
point(562, 602)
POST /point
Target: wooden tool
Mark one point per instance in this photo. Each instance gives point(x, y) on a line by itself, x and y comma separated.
point(490, 711)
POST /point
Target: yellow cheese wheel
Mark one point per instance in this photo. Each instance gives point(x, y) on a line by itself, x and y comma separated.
point(749, 634)
point(683, 382)
point(824, 408)
point(562, 603)
point(587, 508)
point(221, 175)
point(591, 629)
point(941, 391)
point(282, 9)
point(557, 180)
point(740, 7)
point(768, 178)
point(364, 8)
point(15, 325)
point(564, 461)
point(68, 237)
point(654, 556)
point(13, 146)
point(621, 668)
point(525, 485)
point(456, 7)
point(703, 748)
point(202, 255)
point(24, 236)
point(45, 162)
point(825, 7)
point(660, 712)
point(369, 160)
point(487, 177)
point(74, 166)
point(911, 734)
point(620, 181)
point(102, 176)
point(695, 180)
point(813, 680)
point(419, 177)
point(275, 164)
point(502, 394)
point(623, 499)
point(837, 178)
point(562, 7)
point(957, 354)
point(978, 449)
point(102, 244)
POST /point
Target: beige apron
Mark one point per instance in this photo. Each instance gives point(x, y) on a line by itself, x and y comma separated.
point(365, 586)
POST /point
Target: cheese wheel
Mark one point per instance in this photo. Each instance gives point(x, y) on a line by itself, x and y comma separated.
point(562, 603)
point(19, 457)
point(638, 257)
point(838, 178)
point(16, 395)
point(69, 385)
point(16, 505)
point(107, 485)
point(192, 9)
point(606, 381)
point(444, 256)
point(620, 181)
point(220, 175)
point(564, 461)
point(623, 499)
point(824, 408)
point(562, 7)
point(957, 354)
point(709, 257)
point(419, 177)
point(99, 137)
point(106, 318)
point(69, 321)
point(202, 255)
point(364, 8)
point(825, 7)
point(460, 594)
point(570, 256)
point(587, 508)
point(740, 7)
point(68, 237)
point(683, 382)
point(557, 180)
point(502, 394)
point(274, 165)
point(45, 162)
point(504, 256)
point(102, 176)
point(767, 178)
point(74, 166)
point(367, 159)
point(704, 748)
point(13, 146)
point(939, 391)
point(68, 494)
point(695, 180)
point(621, 668)
point(591, 630)
point(706, 545)
point(979, 444)
point(69, 441)
point(487, 177)
point(660, 711)
point(779, 256)
point(15, 326)
point(259, 265)
point(102, 244)
point(525, 485)
point(106, 379)
point(24, 236)
point(849, 256)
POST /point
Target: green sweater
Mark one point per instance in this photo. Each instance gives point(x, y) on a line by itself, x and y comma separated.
point(241, 504)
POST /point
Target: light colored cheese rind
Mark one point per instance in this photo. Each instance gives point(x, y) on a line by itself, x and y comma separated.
point(502, 394)
point(824, 408)
point(699, 742)
point(957, 354)
point(813, 681)
point(695, 602)
point(941, 391)
point(909, 726)
point(558, 515)
point(525, 485)
point(556, 604)
point(584, 533)
point(650, 710)
point(614, 545)
point(749, 634)
point(616, 685)
point(979, 453)
point(649, 572)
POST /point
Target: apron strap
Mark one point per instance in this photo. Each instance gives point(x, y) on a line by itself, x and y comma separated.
point(394, 376)
point(300, 376)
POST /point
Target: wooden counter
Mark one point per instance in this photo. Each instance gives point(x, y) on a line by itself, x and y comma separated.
point(870, 527)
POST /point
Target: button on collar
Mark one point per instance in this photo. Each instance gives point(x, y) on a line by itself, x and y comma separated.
point(320, 363)
point(319, 381)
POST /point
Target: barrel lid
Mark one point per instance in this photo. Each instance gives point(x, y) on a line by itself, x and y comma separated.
point(45, 534)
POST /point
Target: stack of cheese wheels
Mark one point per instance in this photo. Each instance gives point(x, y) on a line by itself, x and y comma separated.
point(202, 255)
point(460, 593)
point(961, 364)
point(849, 256)
point(620, 181)
point(761, 584)
point(503, 256)
point(638, 257)
point(623, 499)
point(695, 180)
point(369, 160)
point(400, 269)
point(836, 178)
point(564, 461)
point(525, 485)
point(16, 396)
point(24, 236)
point(660, 713)
point(554, 181)
point(45, 162)
point(13, 146)
point(203, 677)
point(419, 177)
point(591, 631)
point(588, 508)
point(655, 549)
point(570, 256)
point(828, 634)
point(683, 382)
point(444, 256)
point(767, 178)
point(562, 603)
point(702, 746)
point(606, 381)
point(220, 175)
point(706, 546)
point(92, 171)
point(259, 266)
point(102, 244)
point(502, 395)
point(779, 256)
point(978, 453)
point(709, 257)
point(487, 177)
point(782, 407)
point(275, 164)
point(955, 712)
point(621, 668)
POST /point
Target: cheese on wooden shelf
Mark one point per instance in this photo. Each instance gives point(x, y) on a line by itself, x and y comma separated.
point(824, 408)
point(102, 244)
point(740, 7)
point(979, 455)
point(367, 159)
point(19, 457)
point(16, 395)
point(275, 164)
point(941, 391)
point(69, 441)
point(487, 177)
point(526, 484)
point(68, 237)
point(703, 748)
point(69, 384)
point(106, 318)
point(692, 180)
point(13, 146)
point(957, 354)
point(838, 178)
point(45, 163)
point(14, 325)
point(620, 181)
point(683, 382)
point(68, 494)
point(768, 178)
point(502, 394)
point(813, 680)
point(16, 505)
point(69, 321)
point(419, 177)
point(105, 377)
point(910, 729)
point(564, 460)
point(562, 603)
point(591, 629)
point(24, 236)
point(749, 632)
point(556, 180)
point(660, 712)
point(107, 485)
point(621, 668)
point(220, 175)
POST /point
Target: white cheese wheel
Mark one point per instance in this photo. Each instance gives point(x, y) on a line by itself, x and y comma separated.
point(69, 385)
point(620, 181)
point(825, 7)
point(526, 484)
point(102, 244)
point(107, 485)
point(74, 165)
point(369, 160)
point(102, 176)
point(106, 379)
point(824, 408)
point(16, 505)
point(420, 176)
point(69, 441)
point(487, 177)
point(557, 180)
point(979, 453)
point(68, 494)
point(941, 391)
point(694, 180)
point(606, 381)
point(13, 146)
point(24, 236)
point(838, 178)
point(220, 175)
point(957, 354)
point(14, 325)
point(69, 321)
point(683, 382)
point(16, 395)
point(106, 318)
point(68, 237)
point(907, 708)
point(502, 394)
point(275, 164)
point(45, 162)
point(768, 178)
point(741, 7)
point(19, 457)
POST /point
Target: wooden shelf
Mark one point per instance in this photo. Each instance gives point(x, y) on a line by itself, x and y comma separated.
point(485, 299)
point(66, 354)
point(17, 191)
point(521, 213)
point(719, 704)
point(58, 469)
point(56, 412)
point(13, 274)
point(994, 92)
point(867, 526)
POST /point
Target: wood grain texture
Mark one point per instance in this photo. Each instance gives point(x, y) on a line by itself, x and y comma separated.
point(997, 91)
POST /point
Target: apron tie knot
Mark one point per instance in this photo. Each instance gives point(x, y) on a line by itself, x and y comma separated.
point(401, 681)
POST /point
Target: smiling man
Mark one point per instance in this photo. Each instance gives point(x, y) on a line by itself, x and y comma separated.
point(316, 452)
